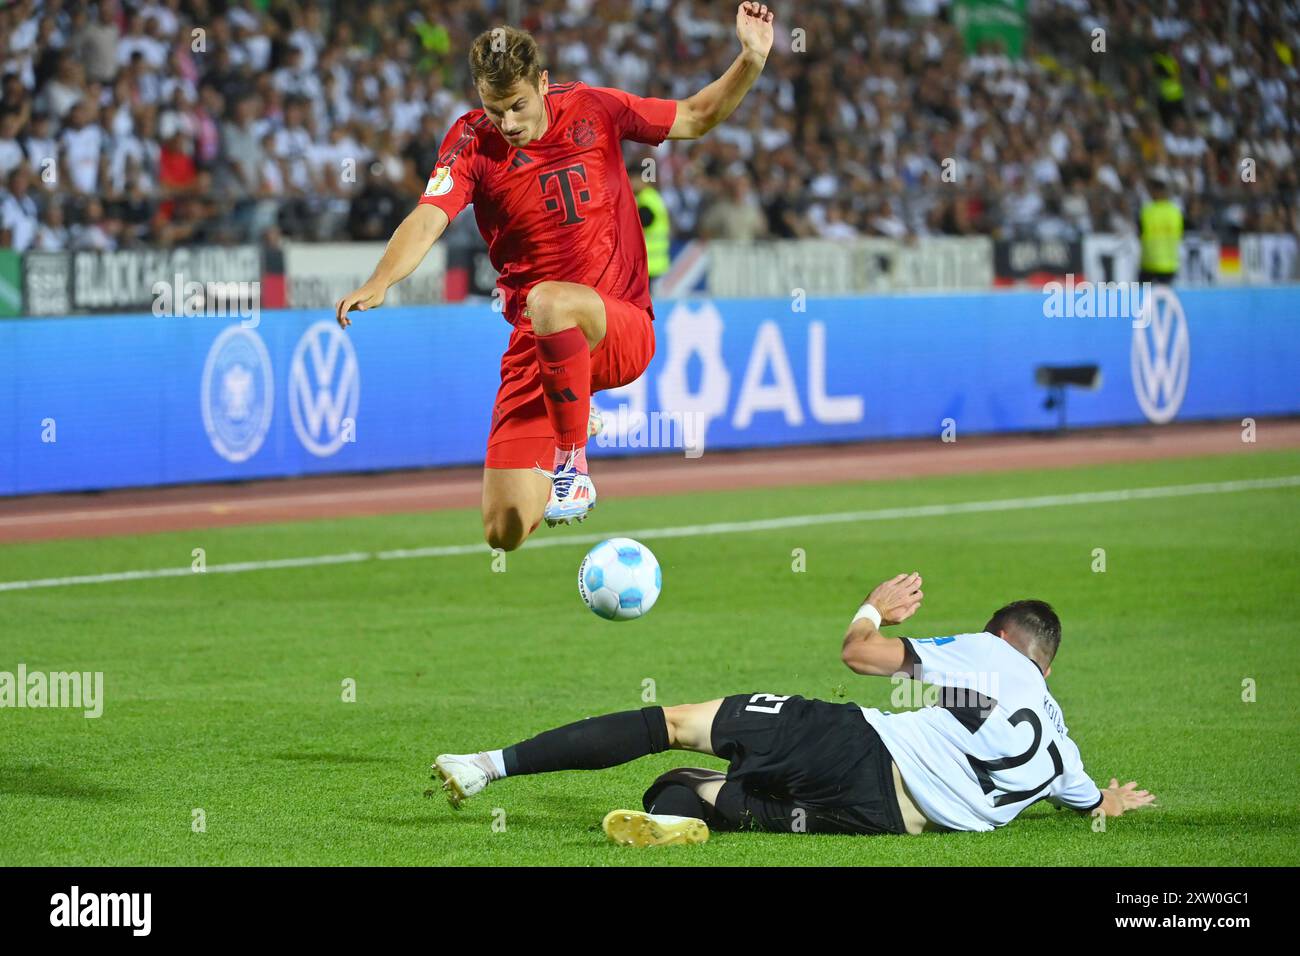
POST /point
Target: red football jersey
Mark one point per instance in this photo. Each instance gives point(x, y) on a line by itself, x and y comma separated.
point(560, 208)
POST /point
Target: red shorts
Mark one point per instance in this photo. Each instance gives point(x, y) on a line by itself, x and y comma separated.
point(521, 434)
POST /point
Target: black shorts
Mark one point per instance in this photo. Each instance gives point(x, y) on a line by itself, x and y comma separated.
point(803, 766)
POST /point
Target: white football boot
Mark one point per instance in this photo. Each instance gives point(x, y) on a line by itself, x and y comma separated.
point(637, 828)
point(462, 778)
point(573, 494)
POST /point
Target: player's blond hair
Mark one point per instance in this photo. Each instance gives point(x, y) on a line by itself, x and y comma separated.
point(503, 56)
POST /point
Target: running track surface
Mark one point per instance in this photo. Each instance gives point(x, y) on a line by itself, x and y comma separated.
point(146, 510)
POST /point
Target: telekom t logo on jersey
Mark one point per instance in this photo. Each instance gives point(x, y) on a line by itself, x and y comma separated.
point(569, 191)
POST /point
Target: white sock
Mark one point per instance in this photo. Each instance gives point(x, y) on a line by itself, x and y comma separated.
point(494, 760)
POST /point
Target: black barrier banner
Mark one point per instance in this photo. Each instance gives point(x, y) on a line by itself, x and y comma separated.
point(131, 279)
point(1032, 260)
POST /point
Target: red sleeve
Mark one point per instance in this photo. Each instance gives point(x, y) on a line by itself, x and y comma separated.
point(451, 184)
point(638, 118)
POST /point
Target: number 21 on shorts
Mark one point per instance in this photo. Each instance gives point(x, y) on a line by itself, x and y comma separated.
point(758, 708)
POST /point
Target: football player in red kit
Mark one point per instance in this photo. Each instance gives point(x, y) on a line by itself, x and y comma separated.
point(543, 166)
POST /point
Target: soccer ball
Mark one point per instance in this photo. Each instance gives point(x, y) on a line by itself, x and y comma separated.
point(619, 579)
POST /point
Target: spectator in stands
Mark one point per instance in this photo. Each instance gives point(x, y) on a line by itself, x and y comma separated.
point(41, 148)
point(421, 153)
point(734, 214)
point(205, 121)
point(836, 224)
point(1053, 224)
point(292, 146)
point(66, 89)
point(51, 234)
point(142, 36)
point(134, 208)
point(94, 43)
point(241, 147)
point(19, 214)
point(15, 98)
point(885, 222)
point(298, 77)
point(81, 147)
point(96, 231)
point(12, 154)
point(177, 171)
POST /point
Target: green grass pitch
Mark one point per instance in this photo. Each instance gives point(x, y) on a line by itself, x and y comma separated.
point(224, 691)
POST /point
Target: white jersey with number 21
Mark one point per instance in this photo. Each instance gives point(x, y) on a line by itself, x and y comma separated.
point(996, 742)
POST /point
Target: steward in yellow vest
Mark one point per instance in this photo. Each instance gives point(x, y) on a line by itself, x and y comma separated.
point(1162, 235)
point(654, 222)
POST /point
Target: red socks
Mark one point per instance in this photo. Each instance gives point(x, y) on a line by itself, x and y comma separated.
point(579, 459)
point(565, 361)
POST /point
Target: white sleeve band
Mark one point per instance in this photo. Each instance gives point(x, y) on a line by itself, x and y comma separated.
point(868, 612)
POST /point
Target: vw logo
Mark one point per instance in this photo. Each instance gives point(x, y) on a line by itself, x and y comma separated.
point(237, 394)
point(324, 389)
point(1161, 356)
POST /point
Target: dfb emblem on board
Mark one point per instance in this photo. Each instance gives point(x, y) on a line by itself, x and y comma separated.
point(237, 395)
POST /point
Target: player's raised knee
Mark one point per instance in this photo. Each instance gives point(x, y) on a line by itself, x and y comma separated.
point(504, 530)
point(500, 539)
point(550, 307)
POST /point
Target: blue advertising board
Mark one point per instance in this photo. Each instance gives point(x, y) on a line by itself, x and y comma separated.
point(112, 401)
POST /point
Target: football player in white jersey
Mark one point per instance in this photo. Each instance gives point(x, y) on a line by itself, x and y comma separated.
point(992, 742)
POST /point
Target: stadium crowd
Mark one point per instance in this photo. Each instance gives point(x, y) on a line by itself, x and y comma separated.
point(180, 121)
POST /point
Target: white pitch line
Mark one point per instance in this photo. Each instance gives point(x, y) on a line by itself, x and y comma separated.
point(218, 506)
point(692, 531)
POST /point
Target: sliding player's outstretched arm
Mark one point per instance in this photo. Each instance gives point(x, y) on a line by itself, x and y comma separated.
point(866, 650)
point(713, 104)
point(410, 243)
